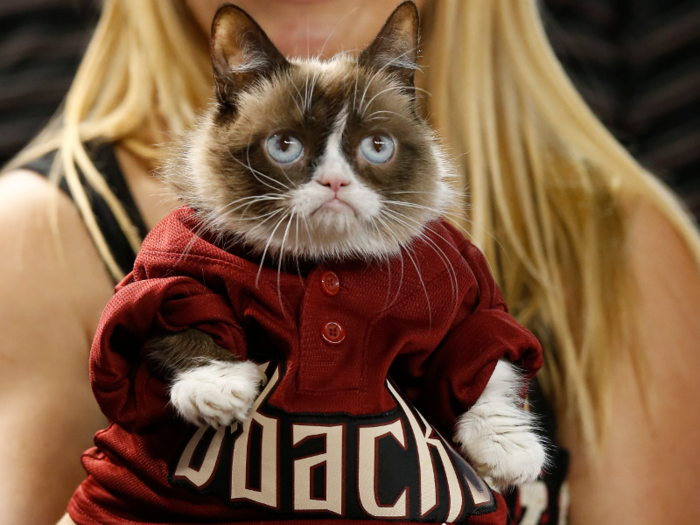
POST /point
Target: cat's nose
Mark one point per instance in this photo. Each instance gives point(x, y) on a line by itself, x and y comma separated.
point(334, 182)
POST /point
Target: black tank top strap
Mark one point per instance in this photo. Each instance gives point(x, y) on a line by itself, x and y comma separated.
point(106, 163)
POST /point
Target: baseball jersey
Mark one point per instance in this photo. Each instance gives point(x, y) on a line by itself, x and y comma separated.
point(368, 366)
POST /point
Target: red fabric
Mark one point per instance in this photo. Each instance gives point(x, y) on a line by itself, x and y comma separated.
point(438, 332)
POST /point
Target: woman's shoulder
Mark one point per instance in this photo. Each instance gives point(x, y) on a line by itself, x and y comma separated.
point(49, 256)
point(651, 445)
point(667, 273)
point(52, 289)
point(656, 244)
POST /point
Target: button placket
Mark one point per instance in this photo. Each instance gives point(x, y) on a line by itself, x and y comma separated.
point(330, 326)
point(332, 332)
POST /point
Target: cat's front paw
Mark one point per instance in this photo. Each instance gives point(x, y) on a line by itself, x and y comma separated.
point(501, 443)
point(216, 394)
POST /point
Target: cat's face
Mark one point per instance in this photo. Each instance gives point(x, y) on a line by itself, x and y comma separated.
point(313, 158)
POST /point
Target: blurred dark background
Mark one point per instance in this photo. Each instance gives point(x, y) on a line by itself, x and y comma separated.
point(41, 44)
point(636, 62)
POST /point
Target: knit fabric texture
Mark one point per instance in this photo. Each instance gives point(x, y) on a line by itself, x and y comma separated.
point(423, 332)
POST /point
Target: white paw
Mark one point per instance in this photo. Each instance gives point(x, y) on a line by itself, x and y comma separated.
point(216, 394)
point(501, 443)
point(498, 436)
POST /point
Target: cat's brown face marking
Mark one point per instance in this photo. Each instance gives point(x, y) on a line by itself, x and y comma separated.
point(313, 158)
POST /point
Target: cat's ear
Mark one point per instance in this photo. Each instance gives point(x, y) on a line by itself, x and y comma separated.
point(395, 49)
point(241, 53)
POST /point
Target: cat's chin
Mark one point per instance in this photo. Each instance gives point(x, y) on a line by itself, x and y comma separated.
point(327, 236)
point(335, 218)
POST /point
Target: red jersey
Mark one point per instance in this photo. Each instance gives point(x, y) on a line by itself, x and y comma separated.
point(369, 364)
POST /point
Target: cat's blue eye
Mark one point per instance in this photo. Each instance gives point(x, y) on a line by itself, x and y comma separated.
point(377, 149)
point(284, 148)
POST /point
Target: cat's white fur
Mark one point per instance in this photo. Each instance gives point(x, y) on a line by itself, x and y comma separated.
point(216, 394)
point(498, 435)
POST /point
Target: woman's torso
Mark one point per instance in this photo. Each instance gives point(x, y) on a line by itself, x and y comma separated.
point(145, 200)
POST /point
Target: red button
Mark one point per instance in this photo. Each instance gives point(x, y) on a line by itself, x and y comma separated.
point(333, 333)
point(330, 284)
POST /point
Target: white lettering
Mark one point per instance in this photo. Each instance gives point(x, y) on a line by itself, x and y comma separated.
point(428, 488)
point(267, 495)
point(201, 477)
point(533, 496)
point(332, 458)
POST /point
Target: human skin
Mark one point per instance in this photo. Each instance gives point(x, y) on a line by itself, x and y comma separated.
point(51, 305)
point(310, 27)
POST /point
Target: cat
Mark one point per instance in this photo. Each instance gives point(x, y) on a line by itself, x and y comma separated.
point(306, 159)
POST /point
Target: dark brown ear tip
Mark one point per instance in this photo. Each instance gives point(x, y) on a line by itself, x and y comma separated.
point(227, 11)
point(407, 9)
point(230, 19)
point(409, 4)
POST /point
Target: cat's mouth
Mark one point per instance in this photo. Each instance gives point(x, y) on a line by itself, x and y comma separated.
point(336, 205)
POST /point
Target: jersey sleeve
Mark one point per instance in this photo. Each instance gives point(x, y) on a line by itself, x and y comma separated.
point(126, 391)
point(482, 333)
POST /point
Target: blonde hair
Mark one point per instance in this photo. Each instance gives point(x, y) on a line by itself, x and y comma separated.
point(545, 179)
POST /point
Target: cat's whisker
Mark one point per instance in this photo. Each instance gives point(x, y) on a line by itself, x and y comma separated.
point(279, 262)
point(296, 246)
point(306, 89)
point(422, 192)
point(254, 198)
point(311, 94)
point(435, 247)
point(245, 210)
point(354, 93)
point(371, 118)
point(309, 236)
point(256, 172)
point(246, 205)
point(301, 100)
point(261, 225)
point(267, 245)
point(291, 95)
point(323, 47)
point(187, 249)
point(294, 185)
point(387, 258)
point(258, 217)
point(378, 71)
point(202, 227)
point(456, 219)
point(407, 250)
point(437, 212)
point(392, 88)
point(364, 108)
point(428, 208)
